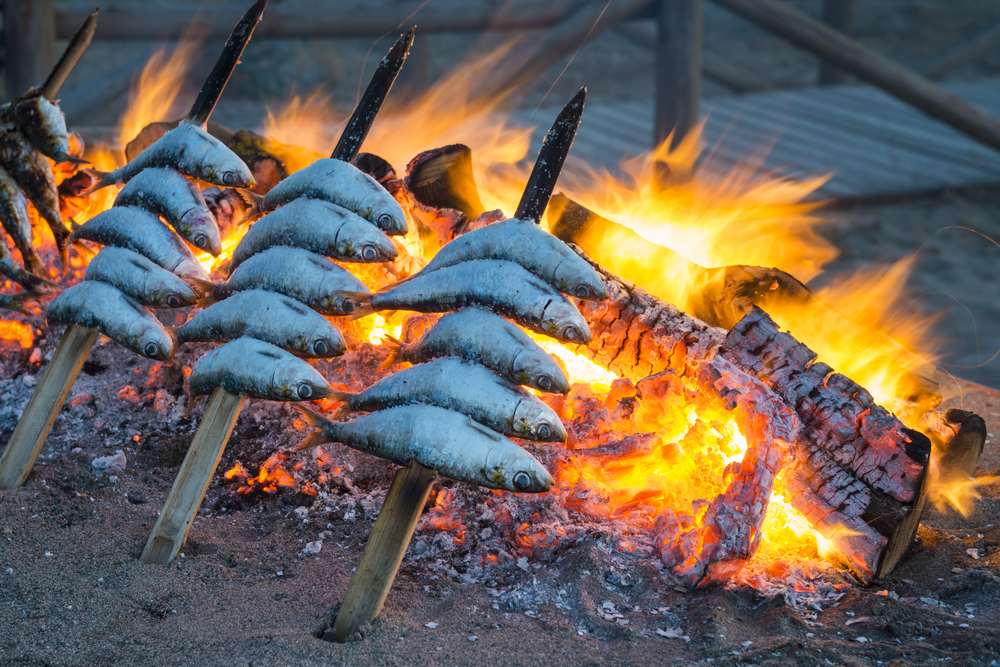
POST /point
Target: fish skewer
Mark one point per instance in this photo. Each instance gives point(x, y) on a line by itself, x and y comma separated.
point(504, 287)
point(75, 49)
point(341, 183)
point(140, 231)
point(169, 194)
point(485, 338)
point(368, 107)
point(189, 148)
point(302, 275)
point(270, 317)
point(463, 387)
point(96, 305)
point(451, 443)
point(523, 242)
point(138, 277)
point(31, 171)
point(319, 226)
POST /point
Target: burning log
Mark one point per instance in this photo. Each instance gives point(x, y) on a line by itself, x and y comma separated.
point(191, 484)
point(384, 552)
point(723, 295)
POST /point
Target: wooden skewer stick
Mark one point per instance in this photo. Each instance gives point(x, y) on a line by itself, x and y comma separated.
point(550, 160)
point(192, 481)
point(70, 57)
point(50, 394)
point(370, 103)
point(385, 549)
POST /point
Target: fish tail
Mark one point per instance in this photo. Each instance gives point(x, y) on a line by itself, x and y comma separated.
point(216, 293)
point(249, 197)
point(101, 180)
point(395, 354)
point(28, 281)
point(202, 286)
point(33, 262)
point(318, 422)
point(340, 396)
point(66, 157)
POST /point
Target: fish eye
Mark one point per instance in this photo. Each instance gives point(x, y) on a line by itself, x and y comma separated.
point(384, 221)
point(522, 481)
point(173, 301)
point(200, 240)
point(544, 431)
point(582, 291)
point(369, 253)
point(570, 333)
point(544, 383)
point(348, 306)
point(305, 391)
point(151, 349)
point(229, 178)
point(320, 347)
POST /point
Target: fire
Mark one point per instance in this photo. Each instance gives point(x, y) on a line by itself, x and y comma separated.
point(17, 331)
point(152, 98)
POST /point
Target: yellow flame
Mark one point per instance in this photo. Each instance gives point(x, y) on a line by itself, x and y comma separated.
point(152, 97)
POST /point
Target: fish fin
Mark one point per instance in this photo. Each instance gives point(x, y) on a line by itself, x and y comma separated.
point(313, 418)
point(314, 439)
point(485, 430)
point(66, 157)
point(17, 302)
point(191, 400)
point(102, 181)
point(203, 286)
point(395, 354)
point(341, 412)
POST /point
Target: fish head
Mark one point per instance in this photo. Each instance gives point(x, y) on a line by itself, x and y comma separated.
point(372, 246)
point(154, 342)
point(563, 321)
point(43, 122)
point(295, 380)
point(216, 163)
point(385, 213)
point(513, 469)
point(190, 269)
point(162, 292)
point(575, 277)
point(536, 421)
point(536, 369)
point(325, 342)
point(333, 289)
point(199, 227)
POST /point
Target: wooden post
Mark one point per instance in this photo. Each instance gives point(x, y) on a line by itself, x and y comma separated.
point(839, 15)
point(192, 481)
point(391, 535)
point(678, 68)
point(869, 65)
point(39, 415)
point(29, 31)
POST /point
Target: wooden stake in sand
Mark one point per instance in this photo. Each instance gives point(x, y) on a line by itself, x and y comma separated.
point(192, 481)
point(50, 394)
point(388, 542)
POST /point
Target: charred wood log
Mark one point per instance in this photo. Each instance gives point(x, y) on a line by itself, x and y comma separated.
point(720, 296)
point(857, 472)
point(443, 178)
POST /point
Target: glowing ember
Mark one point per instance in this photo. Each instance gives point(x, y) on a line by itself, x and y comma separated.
point(17, 331)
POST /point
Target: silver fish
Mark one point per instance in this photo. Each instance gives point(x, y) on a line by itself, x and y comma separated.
point(464, 387)
point(267, 316)
point(505, 287)
point(483, 337)
point(305, 276)
point(15, 220)
point(319, 226)
point(447, 441)
point(524, 242)
point(142, 232)
point(120, 317)
point(141, 279)
point(169, 194)
point(343, 184)
point(190, 150)
point(257, 369)
point(32, 173)
point(42, 123)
